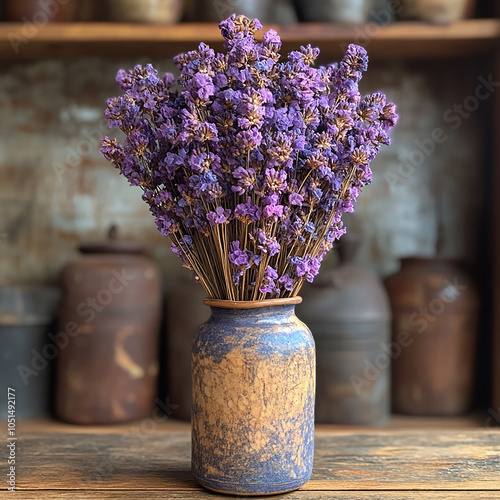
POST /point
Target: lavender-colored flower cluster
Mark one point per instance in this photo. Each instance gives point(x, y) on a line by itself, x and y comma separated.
point(248, 161)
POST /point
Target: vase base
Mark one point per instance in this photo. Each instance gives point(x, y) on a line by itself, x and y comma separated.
point(249, 489)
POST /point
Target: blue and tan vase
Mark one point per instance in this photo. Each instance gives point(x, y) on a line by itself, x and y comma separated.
point(253, 366)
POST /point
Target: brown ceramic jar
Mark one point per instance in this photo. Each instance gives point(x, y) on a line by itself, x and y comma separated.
point(108, 325)
point(435, 308)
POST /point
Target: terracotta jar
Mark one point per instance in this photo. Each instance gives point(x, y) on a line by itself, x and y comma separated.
point(435, 308)
point(108, 323)
point(348, 312)
point(27, 348)
point(185, 313)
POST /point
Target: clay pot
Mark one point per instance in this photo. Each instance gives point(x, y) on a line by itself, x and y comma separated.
point(437, 11)
point(27, 348)
point(348, 312)
point(341, 11)
point(185, 313)
point(41, 12)
point(253, 398)
point(435, 309)
point(146, 11)
point(108, 320)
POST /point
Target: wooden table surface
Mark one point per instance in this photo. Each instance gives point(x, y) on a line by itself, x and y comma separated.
point(150, 460)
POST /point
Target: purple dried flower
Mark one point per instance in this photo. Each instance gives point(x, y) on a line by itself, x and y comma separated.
point(272, 208)
point(220, 216)
point(248, 140)
point(295, 199)
point(287, 281)
point(275, 181)
point(238, 257)
point(268, 283)
point(307, 266)
point(248, 211)
point(266, 243)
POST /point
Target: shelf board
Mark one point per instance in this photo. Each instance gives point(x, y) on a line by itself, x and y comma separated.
point(399, 40)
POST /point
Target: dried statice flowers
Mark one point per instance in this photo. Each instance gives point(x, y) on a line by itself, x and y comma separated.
point(247, 161)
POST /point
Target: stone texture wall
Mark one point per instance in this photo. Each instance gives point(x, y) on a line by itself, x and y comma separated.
point(56, 190)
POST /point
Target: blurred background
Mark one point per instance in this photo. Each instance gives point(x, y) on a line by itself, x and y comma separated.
point(96, 313)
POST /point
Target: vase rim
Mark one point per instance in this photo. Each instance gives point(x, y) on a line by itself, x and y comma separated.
point(252, 304)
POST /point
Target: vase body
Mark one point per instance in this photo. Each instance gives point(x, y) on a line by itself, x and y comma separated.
point(435, 308)
point(348, 312)
point(109, 321)
point(185, 313)
point(253, 399)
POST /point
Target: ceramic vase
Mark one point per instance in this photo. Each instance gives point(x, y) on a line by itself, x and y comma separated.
point(253, 371)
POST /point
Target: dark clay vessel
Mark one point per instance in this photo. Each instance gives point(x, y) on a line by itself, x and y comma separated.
point(435, 322)
point(27, 348)
point(253, 398)
point(348, 312)
point(109, 317)
point(185, 313)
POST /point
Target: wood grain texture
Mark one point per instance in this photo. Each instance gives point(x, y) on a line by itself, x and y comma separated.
point(402, 39)
point(170, 425)
point(295, 495)
point(355, 465)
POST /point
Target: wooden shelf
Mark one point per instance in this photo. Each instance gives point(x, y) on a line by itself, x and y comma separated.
point(414, 40)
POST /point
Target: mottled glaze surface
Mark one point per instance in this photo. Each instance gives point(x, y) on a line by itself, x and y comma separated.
point(253, 401)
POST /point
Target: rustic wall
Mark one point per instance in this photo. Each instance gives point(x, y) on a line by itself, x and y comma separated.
point(429, 182)
point(56, 190)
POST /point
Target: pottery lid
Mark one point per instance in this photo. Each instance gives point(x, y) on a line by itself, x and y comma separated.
point(348, 293)
point(112, 245)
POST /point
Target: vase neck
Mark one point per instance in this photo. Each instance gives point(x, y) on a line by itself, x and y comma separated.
point(263, 312)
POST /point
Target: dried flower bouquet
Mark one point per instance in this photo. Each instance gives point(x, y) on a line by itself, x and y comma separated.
point(247, 161)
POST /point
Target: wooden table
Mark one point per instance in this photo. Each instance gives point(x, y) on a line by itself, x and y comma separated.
point(150, 460)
